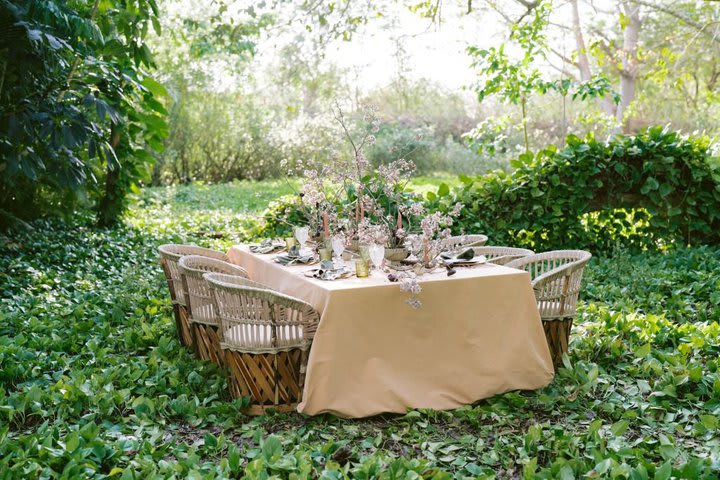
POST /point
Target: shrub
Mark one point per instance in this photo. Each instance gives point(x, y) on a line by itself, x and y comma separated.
point(645, 190)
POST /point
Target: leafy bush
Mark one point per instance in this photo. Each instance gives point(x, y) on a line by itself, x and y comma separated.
point(430, 151)
point(646, 190)
point(80, 111)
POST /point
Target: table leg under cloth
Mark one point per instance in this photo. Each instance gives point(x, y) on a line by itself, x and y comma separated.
point(477, 334)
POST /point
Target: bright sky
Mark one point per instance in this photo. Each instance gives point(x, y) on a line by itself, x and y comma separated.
point(436, 53)
point(432, 52)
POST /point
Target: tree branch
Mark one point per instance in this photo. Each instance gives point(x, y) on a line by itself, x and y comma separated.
point(564, 58)
point(562, 71)
point(76, 61)
point(687, 21)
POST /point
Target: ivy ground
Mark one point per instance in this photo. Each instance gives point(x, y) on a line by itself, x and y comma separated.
point(93, 383)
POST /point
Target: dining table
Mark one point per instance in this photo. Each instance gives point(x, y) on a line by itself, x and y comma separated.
point(476, 334)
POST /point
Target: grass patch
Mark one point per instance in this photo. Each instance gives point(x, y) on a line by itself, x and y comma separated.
point(93, 383)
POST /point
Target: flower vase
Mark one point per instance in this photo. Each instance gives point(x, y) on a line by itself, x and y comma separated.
point(396, 254)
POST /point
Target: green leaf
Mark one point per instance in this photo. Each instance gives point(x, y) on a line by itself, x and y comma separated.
point(643, 351)
point(664, 472)
point(154, 87)
point(272, 448)
point(709, 421)
point(529, 469)
point(650, 184)
point(619, 427)
point(443, 190)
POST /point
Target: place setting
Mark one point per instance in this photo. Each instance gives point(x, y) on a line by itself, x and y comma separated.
point(268, 246)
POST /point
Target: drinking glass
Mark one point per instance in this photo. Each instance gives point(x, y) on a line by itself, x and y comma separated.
point(361, 268)
point(377, 254)
point(302, 234)
point(338, 246)
point(414, 244)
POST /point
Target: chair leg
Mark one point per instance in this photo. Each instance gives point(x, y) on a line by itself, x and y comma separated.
point(182, 325)
point(557, 333)
point(207, 343)
point(272, 381)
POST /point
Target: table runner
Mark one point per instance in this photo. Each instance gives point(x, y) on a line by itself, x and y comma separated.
point(477, 334)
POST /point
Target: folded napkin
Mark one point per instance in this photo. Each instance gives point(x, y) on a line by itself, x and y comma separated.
point(288, 259)
point(267, 246)
point(327, 271)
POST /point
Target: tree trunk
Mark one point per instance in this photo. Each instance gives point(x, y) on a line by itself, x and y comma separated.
point(110, 205)
point(630, 68)
point(583, 63)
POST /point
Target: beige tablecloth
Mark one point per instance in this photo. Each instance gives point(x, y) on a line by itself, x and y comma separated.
point(477, 334)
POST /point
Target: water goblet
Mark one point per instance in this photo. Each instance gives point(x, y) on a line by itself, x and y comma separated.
point(338, 247)
point(302, 234)
point(377, 255)
point(414, 244)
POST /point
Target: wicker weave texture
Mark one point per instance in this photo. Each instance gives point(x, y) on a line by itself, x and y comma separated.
point(198, 297)
point(502, 255)
point(556, 278)
point(255, 319)
point(170, 255)
point(265, 340)
point(475, 240)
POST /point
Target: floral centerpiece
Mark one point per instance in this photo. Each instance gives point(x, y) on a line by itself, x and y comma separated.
point(371, 206)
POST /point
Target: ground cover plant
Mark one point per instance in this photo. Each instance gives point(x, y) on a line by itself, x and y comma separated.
point(93, 382)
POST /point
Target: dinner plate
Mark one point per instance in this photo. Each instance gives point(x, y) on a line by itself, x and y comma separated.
point(285, 260)
point(467, 263)
point(341, 273)
point(265, 249)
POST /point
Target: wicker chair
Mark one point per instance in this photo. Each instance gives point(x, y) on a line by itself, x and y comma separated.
point(266, 338)
point(502, 255)
point(170, 254)
point(452, 243)
point(204, 324)
point(556, 278)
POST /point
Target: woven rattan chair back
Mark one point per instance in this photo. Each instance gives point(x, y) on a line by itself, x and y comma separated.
point(502, 255)
point(266, 337)
point(198, 297)
point(556, 280)
point(458, 241)
point(170, 255)
point(203, 321)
